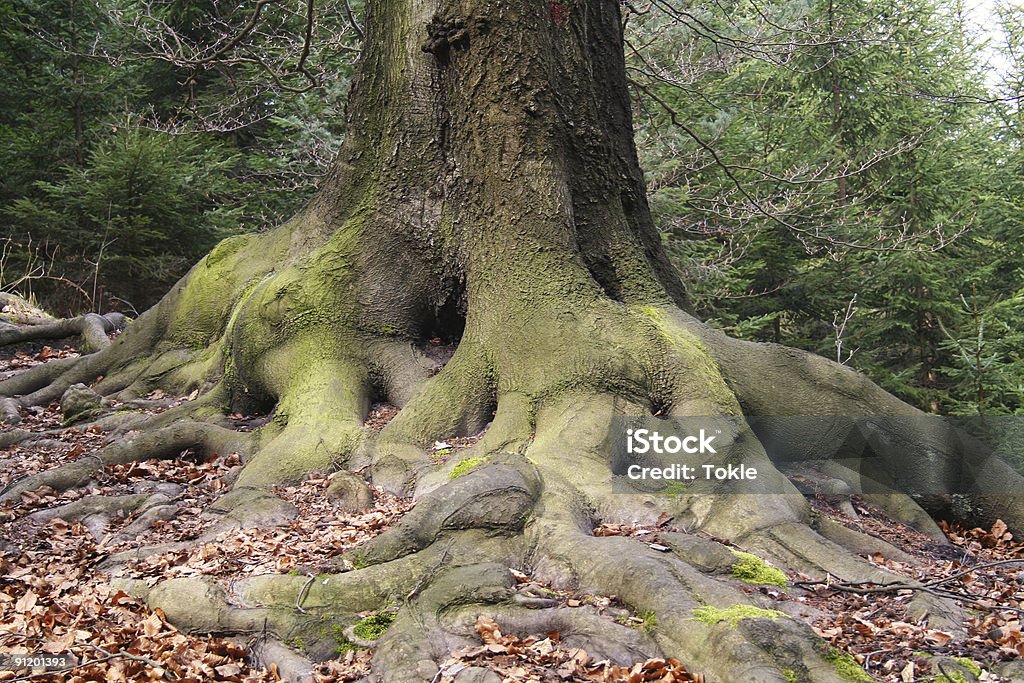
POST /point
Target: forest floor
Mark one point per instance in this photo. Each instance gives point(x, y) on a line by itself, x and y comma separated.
point(54, 598)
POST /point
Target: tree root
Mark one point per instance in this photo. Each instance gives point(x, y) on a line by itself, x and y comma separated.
point(454, 402)
point(164, 442)
point(673, 591)
point(92, 328)
point(97, 511)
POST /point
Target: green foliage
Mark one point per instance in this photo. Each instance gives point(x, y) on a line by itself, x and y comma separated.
point(752, 569)
point(868, 127)
point(96, 201)
point(650, 621)
point(143, 207)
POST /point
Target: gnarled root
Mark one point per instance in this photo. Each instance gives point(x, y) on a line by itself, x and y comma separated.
point(92, 328)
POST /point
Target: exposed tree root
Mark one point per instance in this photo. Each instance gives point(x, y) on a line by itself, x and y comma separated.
point(92, 328)
point(163, 442)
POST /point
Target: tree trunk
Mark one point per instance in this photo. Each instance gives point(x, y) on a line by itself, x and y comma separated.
point(488, 194)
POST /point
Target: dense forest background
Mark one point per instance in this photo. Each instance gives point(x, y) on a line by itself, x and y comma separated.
point(842, 177)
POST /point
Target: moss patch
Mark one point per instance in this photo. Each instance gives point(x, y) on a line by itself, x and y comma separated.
point(374, 626)
point(969, 665)
point(694, 357)
point(752, 569)
point(790, 675)
point(342, 644)
point(465, 466)
point(650, 621)
point(676, 488)
point(846, 666)
point(734, 615)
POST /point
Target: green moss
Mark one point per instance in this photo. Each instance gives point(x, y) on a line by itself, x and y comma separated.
point(752, 569)
point(675, 488)
point(790, 675)
point(846, 666)
point(465, 466)
point(652, 312)
point(217, 283)
point(734, 615)
point(341, 643)
point(344, 646)
point(969, 665)
point(694, 357)
point(650, 621)
point(374, 626)
point(298, 643)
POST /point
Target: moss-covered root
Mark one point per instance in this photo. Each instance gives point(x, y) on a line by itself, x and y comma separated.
point(323, 393)
point(909, 447)
point(746, 645)
point(498, 497)
point(443, 616)
point(324, 616)
point(455, 402)
point(309, 614)
point(581, 627)
point(417, 640)
point(801, 549)
point(426, 605)
point(586, 421)
point(317, 423)
point(46, 383)
point(798, 548)
point(92, 328)
point(165, 442)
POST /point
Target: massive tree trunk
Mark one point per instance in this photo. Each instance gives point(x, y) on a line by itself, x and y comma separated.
point(488, 194)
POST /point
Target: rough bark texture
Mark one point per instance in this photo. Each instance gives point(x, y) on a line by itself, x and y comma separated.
point(489, 193)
